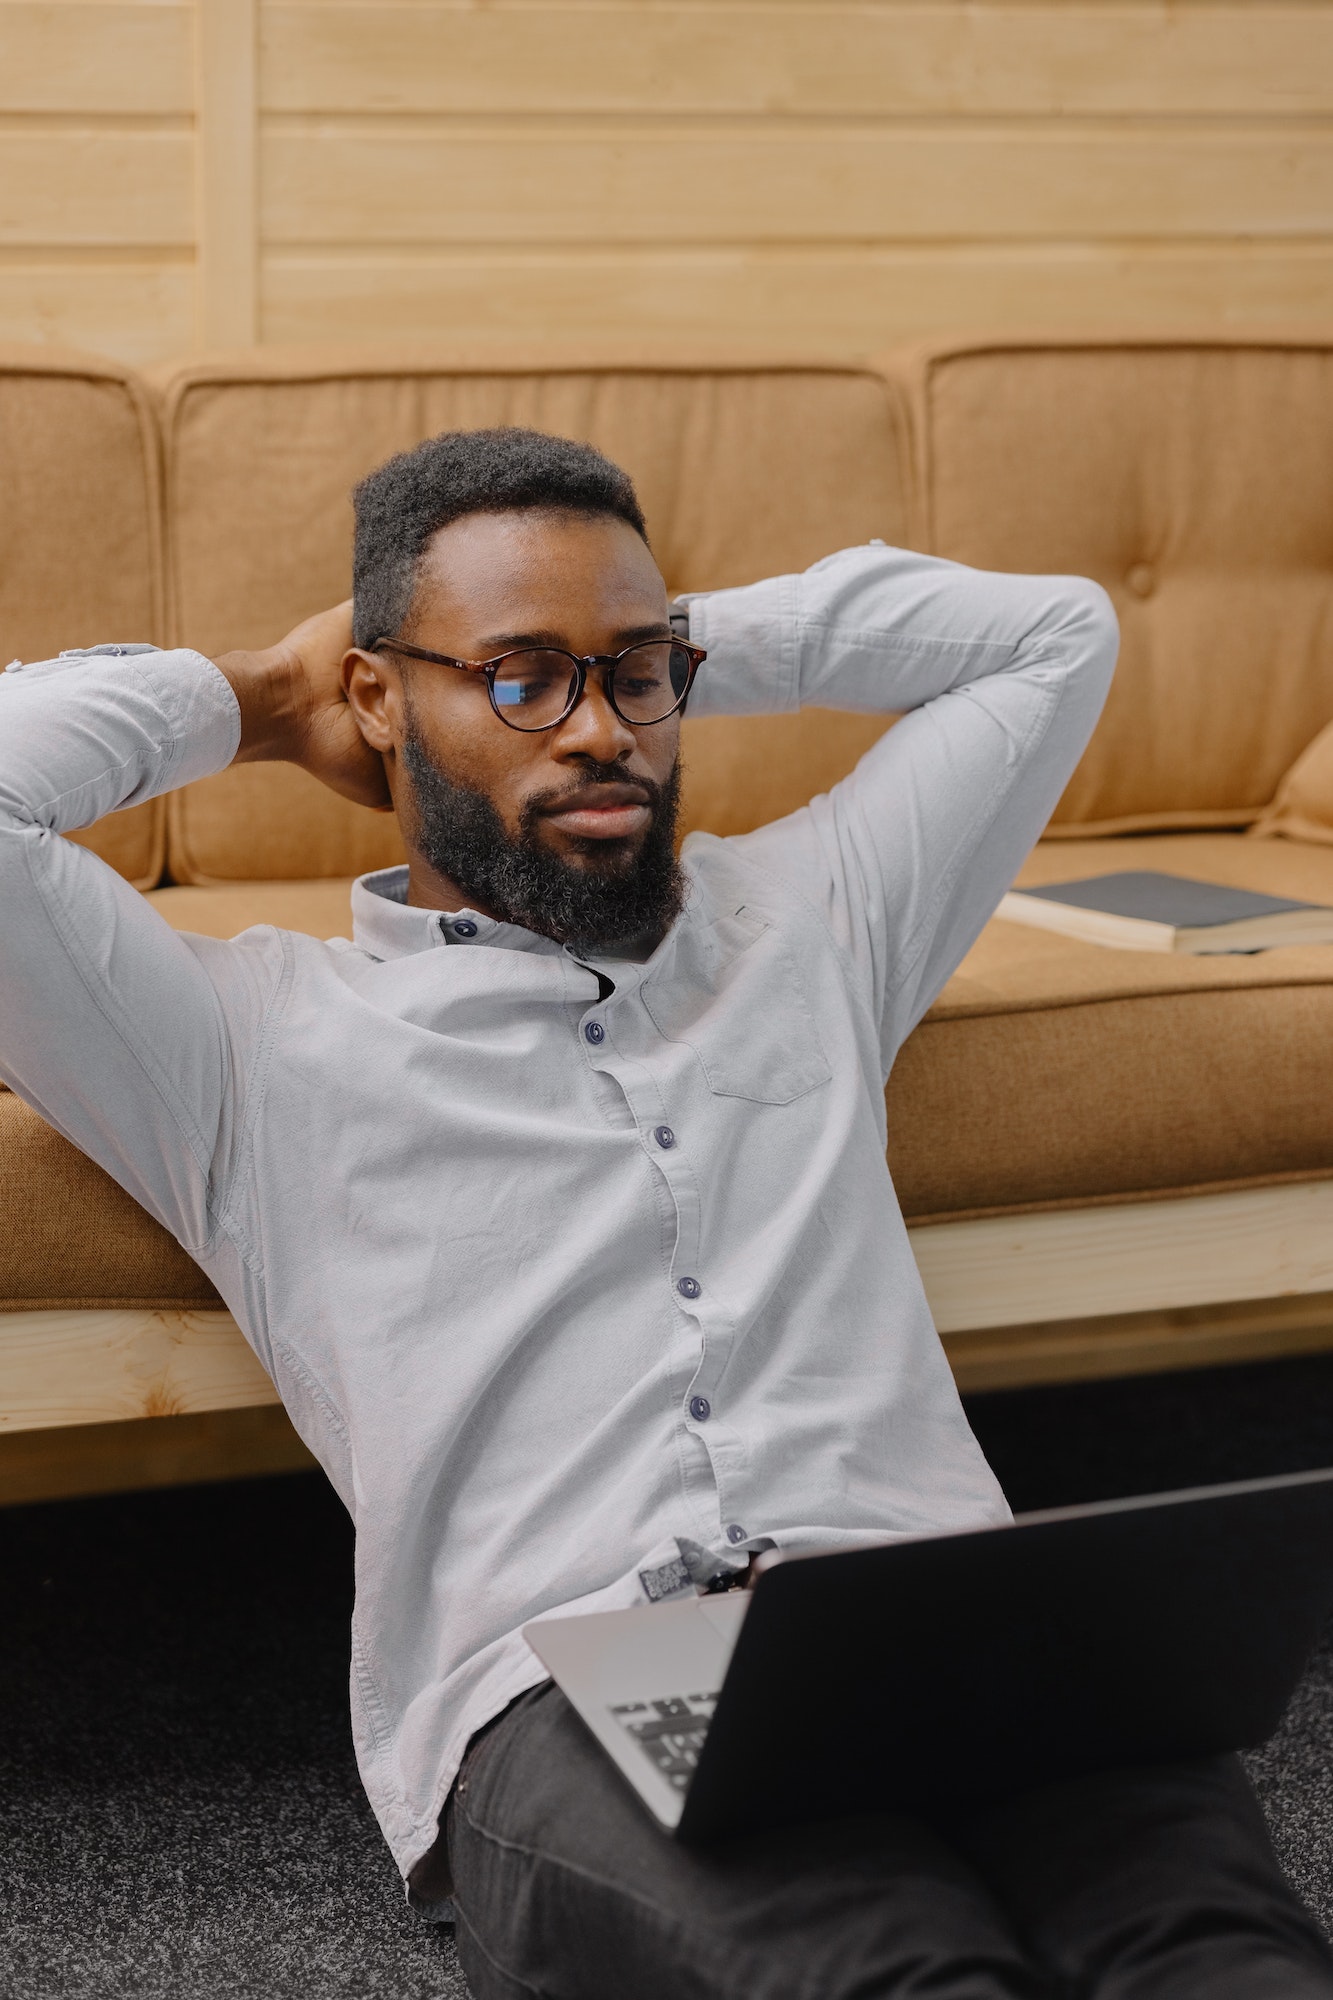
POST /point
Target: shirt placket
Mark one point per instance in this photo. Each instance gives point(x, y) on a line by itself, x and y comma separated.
point(712, 1456)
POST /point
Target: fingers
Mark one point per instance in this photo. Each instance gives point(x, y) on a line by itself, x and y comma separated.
point(319, 644)
point(294, 709)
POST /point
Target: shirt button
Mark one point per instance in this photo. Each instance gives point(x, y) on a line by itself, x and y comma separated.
point(465, 928)
point(735, 1533)
point(700, 1409)
point(689, 1288)
point(594, 1033)
point(665, 1137)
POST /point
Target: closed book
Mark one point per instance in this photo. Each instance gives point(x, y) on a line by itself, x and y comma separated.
point(1144, 910)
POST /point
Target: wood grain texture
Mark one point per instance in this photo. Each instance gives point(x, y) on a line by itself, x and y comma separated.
point(839, 301)
point(105, 56)
point(554, 181)
point(259, 1441)
point(84, 186)
point(834, 176)
point(134, 308)
point(1131, 1257)
point(226, 167)
point(1095, 1349)
point(818, 172)
point(905, 60)
point(95, 1367)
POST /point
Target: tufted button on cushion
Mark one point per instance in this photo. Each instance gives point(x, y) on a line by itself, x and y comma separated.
point(1142, 579)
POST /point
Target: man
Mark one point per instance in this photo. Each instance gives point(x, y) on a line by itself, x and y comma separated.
point(556, 1204)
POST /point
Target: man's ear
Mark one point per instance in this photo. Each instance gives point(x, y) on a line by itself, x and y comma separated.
point(374, 694)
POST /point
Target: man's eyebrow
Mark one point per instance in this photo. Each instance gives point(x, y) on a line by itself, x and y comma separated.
point(505, 642)
point(508, 642)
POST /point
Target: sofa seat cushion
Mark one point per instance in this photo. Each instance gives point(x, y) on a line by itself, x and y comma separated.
point(1049, 1073)
point(72, 1237)
point(1052, 1072)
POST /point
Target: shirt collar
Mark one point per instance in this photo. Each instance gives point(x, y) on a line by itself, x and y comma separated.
point(387, 926)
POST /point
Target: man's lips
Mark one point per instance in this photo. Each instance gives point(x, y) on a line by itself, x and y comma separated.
point(602, 812)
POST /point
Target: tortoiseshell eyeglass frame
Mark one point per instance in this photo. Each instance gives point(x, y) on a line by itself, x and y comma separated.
point(579, 665)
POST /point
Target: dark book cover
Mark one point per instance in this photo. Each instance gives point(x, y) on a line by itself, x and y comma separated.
point(1166, 899)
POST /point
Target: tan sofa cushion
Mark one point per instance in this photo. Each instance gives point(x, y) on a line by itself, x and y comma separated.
point(72, 1237)
point(1195, 481)
point(741, 772)
point(1303, 808)
point(742, 471)
point(321, 909)
point(1052, 1072)
point(260, 821)
point(80, 532)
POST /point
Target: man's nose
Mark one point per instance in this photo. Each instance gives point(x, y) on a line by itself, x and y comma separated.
point(594, 729)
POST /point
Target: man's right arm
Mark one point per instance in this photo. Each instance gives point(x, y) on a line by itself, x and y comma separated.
point(110, 1025)
point(123, 1034)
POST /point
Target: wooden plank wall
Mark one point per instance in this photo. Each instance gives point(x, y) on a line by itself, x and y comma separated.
point(97, 145)
point(731, 172)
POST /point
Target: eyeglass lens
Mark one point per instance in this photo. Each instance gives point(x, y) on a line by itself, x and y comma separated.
point(532, 689)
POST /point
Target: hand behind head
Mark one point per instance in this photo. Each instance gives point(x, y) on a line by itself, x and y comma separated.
point(294, 709)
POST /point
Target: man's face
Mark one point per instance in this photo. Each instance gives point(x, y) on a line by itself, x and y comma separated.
point(567, 830)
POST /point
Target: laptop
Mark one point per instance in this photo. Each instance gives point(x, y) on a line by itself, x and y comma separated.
point(931, 1671)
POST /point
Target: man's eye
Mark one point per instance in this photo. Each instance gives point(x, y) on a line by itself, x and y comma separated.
point(522, 693)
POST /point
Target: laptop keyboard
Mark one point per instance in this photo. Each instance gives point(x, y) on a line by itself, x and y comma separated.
point(670, 1732)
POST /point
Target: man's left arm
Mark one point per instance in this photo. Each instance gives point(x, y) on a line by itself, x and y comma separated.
point(999, 680)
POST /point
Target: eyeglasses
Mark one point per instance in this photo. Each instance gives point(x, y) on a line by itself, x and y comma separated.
point(536, 687)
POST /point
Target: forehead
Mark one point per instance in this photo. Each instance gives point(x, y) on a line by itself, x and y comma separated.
point(538, 571)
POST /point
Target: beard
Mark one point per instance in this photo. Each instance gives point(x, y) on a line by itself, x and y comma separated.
point(618, 897)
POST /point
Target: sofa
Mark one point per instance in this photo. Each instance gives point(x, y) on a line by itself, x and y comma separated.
point(1110, 1161)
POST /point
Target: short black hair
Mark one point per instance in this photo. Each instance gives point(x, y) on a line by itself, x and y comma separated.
point(408, 498)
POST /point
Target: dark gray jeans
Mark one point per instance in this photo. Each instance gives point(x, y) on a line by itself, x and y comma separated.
point(1143, 1884)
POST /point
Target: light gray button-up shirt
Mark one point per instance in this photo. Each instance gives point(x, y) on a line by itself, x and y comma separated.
point(557, 1273)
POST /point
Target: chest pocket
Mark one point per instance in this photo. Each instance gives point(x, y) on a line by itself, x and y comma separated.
point(736, 994)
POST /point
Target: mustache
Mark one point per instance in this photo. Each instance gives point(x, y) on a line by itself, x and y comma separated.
point(543, 803)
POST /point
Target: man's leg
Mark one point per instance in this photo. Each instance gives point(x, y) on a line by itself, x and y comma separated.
point(565, 1888)
point(1139, 1885)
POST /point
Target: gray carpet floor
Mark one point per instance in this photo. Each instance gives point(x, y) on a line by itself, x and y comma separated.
point(180, 1817)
